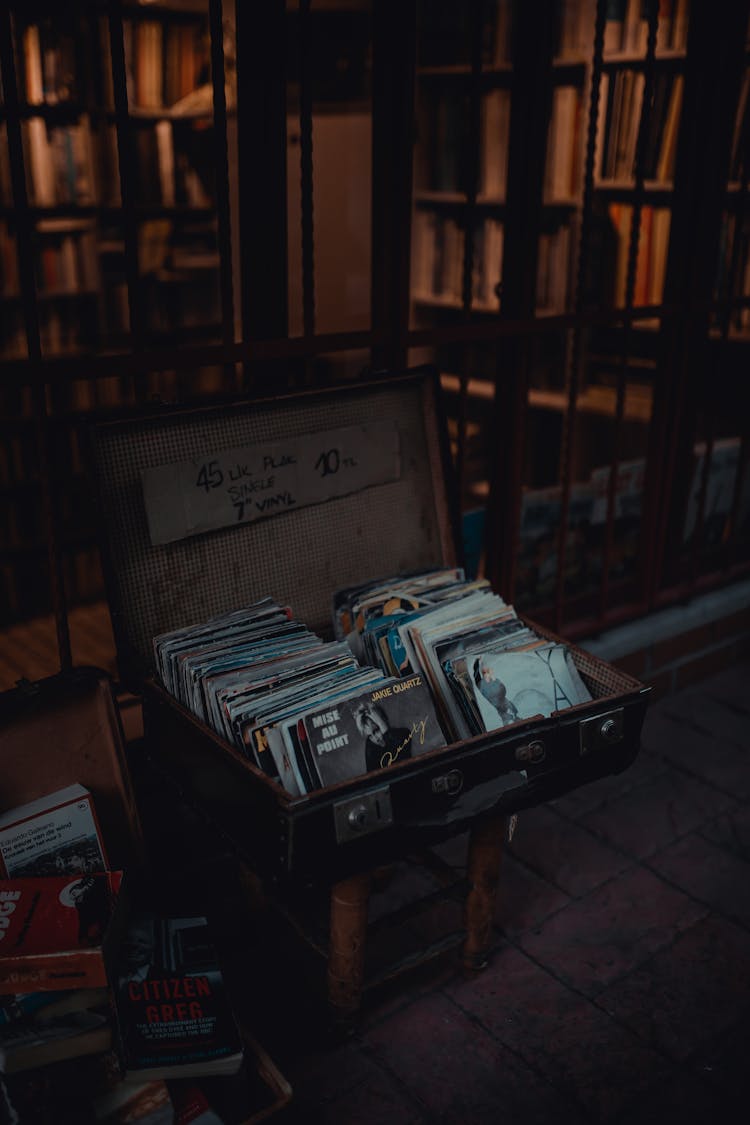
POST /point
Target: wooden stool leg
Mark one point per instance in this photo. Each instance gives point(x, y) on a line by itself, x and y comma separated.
point(483, 871)
point(346, 955)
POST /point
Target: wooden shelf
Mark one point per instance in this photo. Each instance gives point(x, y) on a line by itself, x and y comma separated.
point(598, 400)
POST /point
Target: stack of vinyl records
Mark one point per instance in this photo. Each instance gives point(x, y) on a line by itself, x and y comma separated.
point(486, 668)
point(303, 710)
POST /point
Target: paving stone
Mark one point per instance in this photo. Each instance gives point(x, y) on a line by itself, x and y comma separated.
point(650, 818)
point(711, 754)
point(459, 1071)
point(709, 714)
point(730, 685)
point(322, 1074)
point(564, 854)
point(732, 831)
point(689, 992)
point(709, 873)
point(722, 1063)
point(580, 801)
point(577, 1047)
point(379, 1101)
point(524, 898)
point(594, 941)
point(684, 1100)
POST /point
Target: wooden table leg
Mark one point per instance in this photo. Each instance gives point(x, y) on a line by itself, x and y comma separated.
point(483, 871)
point(346, 955)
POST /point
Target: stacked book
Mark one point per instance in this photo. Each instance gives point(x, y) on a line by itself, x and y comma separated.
point(98, 1009)
point(59, 915)
point(58, 935)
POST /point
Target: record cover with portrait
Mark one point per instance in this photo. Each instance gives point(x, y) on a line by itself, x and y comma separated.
point(518, 684)
point(374, 730)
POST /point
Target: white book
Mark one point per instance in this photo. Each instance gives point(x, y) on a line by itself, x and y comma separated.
point(42, 168)
point(660, 223)
point(601, 126)
point(55, 834)
point(165, 154)
point(495, 127)
point(494, 254)
point(32, 56)
point(634, 122)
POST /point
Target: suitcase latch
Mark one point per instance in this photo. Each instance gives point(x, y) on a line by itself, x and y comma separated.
point(602, 731)
point(365, 813)
point(531, 752)
point(450, 783)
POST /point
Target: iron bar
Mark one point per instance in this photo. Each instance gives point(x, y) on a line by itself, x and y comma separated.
point(25, 257)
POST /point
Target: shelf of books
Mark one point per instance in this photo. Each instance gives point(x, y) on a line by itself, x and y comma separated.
point(96, 235)
point(585, 401)
point(69, 127)
point(460, 159)
point(716, 529)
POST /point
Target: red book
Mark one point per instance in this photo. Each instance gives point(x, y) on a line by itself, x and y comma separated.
point(57, 932)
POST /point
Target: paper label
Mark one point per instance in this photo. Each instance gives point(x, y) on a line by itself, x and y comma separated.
point(255, 482)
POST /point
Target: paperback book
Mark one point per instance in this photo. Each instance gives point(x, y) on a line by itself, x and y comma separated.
point(50, 1036)
point(54, 835)
point(173, 1011)
point(58, 933)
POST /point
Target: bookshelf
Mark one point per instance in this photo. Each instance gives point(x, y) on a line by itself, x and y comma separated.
point(109, 243)
point(596, 163)
point(73, 134)
point(547, 200)
point(462, 107)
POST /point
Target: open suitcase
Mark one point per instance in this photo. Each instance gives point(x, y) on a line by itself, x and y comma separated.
point(175, 555)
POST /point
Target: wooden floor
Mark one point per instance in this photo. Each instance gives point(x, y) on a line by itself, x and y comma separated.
point(29, 650)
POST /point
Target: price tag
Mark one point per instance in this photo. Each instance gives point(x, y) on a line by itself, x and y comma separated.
point(241, 485)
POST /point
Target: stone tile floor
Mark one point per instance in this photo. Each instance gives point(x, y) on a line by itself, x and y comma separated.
point(619, 986)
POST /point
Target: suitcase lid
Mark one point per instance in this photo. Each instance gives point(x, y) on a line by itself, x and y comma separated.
point(297, 556)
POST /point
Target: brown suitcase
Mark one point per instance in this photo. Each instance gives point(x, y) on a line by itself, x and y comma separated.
point(388, 526)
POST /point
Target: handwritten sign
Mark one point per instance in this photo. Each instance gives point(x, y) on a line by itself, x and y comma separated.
point(241, 485)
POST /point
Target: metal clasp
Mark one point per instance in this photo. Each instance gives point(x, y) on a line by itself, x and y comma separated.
point(602, 731)
point(451, 783)
point(365, 813)
point(532, 752)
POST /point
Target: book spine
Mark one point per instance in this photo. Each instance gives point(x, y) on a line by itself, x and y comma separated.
point(32, 57)
point(613, 27)
point(53, 972)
